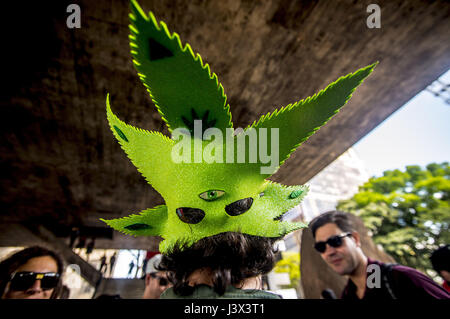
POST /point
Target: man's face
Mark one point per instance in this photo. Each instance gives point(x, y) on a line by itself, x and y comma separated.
point(445, 275)
point(153, 287)
point(343, 259)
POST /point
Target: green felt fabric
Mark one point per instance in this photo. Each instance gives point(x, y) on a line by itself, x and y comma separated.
point(179, 83)
point(183, 89)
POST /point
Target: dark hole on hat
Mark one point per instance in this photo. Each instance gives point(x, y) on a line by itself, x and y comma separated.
point(190, 215)
point(239, 207)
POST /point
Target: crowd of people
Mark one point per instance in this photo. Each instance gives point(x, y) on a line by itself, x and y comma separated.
point(231, 265)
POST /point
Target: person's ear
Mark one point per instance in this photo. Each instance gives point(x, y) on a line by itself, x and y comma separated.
point(356, 238)
point(147, 279)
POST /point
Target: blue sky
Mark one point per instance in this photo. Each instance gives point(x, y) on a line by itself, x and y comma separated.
point(416, 134)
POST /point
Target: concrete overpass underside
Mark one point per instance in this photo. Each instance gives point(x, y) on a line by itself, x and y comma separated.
point(61, 166)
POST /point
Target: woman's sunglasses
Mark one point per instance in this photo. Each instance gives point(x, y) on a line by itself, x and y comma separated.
point(22, 281)
point(162, 281)
point(333, 241)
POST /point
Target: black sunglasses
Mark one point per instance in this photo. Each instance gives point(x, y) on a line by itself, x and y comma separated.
point(333, 241)
point(162, 281)
point(22, 281)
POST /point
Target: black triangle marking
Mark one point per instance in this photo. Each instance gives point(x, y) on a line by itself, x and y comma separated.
point(158, 51)
point(138, 226)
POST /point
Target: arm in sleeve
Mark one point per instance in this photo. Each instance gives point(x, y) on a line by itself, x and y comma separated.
point(411, 283)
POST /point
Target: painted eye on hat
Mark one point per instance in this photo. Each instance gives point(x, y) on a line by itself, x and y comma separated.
point(211, 195)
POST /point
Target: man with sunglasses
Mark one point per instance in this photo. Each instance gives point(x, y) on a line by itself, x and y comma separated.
point(155, 281)
point(339, 245)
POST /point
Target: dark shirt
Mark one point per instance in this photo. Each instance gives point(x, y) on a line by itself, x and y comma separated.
point(404, 282)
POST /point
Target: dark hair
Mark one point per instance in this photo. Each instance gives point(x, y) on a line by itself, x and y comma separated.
point(440, 258)
point(232, 257)
point(341, 219)
point(9, 266)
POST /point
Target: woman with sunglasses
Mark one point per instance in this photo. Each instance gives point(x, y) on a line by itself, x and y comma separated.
point(32, 273)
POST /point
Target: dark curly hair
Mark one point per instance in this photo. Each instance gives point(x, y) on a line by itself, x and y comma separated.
point(232, 257)
point(341, 219)
point(9, 266)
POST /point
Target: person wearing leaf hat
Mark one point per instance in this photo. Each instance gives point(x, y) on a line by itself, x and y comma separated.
point(221, 215)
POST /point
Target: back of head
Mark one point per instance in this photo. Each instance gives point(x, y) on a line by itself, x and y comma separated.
point(440, 258)
point(12, 263)
point(230, 257)
point(341, 219)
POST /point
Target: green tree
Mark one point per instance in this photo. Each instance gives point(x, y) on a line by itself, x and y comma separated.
point(407, 212)
point(290, 263)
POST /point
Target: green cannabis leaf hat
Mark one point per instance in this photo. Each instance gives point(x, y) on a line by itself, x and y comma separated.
point(225, 192)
